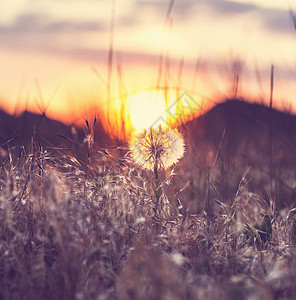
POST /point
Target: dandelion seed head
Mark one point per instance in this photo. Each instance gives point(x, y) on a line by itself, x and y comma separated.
point(161, 146)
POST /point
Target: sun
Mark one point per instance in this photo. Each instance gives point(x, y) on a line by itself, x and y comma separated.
point(147, 109)
point(151, 108)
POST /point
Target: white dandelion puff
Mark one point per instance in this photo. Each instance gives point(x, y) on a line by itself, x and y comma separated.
point(157, 148)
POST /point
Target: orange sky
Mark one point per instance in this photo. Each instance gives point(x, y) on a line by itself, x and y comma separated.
point(60, 43)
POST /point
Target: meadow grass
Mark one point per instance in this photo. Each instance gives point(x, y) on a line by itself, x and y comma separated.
point(87, 230)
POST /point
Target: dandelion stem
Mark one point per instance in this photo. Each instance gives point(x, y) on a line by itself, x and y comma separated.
point(157, 188)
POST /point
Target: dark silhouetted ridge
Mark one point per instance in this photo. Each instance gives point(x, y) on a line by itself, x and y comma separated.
point(251, 130)
point(19, 130)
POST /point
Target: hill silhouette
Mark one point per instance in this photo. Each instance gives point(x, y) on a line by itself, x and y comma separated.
point(250, 130)
point(18, 130)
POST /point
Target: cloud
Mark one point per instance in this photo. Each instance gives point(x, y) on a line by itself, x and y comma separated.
point(47, 33)
point(33, 23)
point(278, 20)
point(181, 8)
point(271, 18)
point(31, 32)
point(231, 7)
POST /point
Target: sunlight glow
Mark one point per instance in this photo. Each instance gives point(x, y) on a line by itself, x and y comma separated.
point(146, 109)
point(161, 107)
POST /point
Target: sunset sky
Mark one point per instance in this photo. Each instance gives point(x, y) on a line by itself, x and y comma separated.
point(63, 45)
